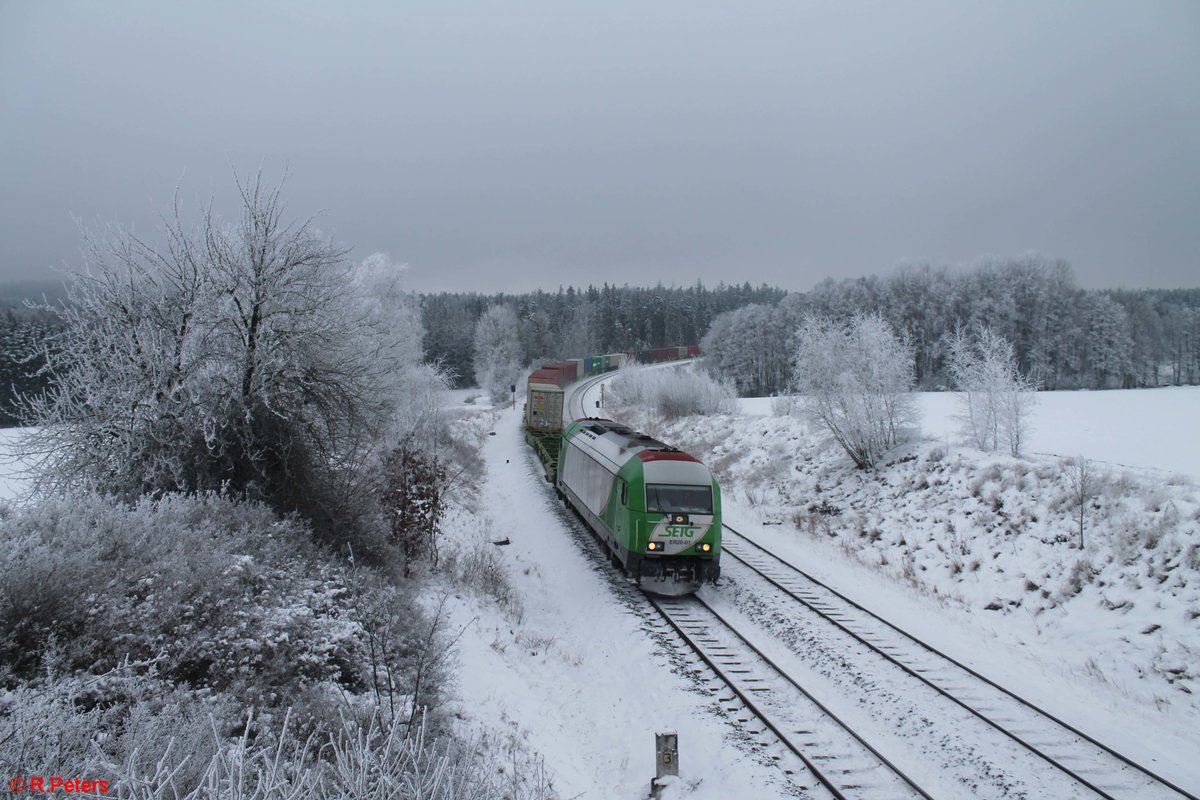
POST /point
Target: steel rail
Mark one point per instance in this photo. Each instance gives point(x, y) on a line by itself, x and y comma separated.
point(580, 389)
point(787, 677)
point(750, 704)
point(931, 649)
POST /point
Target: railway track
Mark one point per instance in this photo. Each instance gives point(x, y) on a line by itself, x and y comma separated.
point(819, 756)
point(1084, 760)
point(576, 406)
point(836, 761)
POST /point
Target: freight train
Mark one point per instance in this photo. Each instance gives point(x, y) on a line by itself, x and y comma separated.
point(655, 510)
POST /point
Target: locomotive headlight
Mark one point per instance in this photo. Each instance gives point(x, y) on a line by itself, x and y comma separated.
point(652, 546)
point(706, 548)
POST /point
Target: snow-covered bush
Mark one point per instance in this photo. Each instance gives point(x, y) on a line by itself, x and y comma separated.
point(480, 568)
point(856, 377)
point(497, 351)
point(180, 752)
point(61, 730)
point(673, 393)
point(250, 358)
point(996, 398)
point(203, 593)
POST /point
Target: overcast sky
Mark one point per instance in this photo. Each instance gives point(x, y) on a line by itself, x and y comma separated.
point(514, 145)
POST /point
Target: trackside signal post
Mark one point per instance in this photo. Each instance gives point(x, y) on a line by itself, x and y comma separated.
point(666, 761)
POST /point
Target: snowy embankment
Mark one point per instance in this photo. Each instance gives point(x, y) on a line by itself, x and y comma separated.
point(994, 540)
point(975, 552)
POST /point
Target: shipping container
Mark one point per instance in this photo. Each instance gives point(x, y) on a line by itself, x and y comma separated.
point(552, 373)
point(543, 406)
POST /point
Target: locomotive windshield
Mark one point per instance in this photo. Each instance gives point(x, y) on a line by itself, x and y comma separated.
point(668, 499)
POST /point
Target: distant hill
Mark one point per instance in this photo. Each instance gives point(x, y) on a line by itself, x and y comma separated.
point(14, 294)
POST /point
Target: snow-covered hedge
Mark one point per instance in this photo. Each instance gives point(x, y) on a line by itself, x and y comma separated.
point(139, 644)
point(672, 393)
point(212, 592)
point(200, 598)
point(178, 752)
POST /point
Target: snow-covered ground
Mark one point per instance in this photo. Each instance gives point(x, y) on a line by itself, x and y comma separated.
point(971, 551)
point(979, 551)
point(1151, 429)
point(1086, 656)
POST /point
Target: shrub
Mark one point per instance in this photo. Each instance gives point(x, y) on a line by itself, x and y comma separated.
point(673, 393)
point(857, 377)
point(178, 752)
point(413, 499)
point(204, 593)
point(481, 568)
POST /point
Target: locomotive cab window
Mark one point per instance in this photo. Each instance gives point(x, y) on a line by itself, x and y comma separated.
point(667, 499)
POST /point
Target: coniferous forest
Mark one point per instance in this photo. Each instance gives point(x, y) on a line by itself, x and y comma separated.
point(1064, 336)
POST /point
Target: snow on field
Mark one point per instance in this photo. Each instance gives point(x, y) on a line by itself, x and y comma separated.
point(1153, 429)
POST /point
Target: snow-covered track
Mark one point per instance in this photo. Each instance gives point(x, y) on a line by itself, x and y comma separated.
point(576, 405)
point(843, 763)
point(1094, 765)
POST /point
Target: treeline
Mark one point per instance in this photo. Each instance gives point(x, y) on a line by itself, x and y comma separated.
point(23, 334)
point(568, 323)
point(575, 322)
point(1064, 337)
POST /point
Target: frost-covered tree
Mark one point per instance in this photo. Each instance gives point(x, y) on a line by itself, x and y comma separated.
point(996, 398)
point(1108, 347)
point(1083, 482)
point(497, 351)
point(673, 393)
point(748, 346)
point(394, 315)
point(244, 357)
point(413, 497)
point(857, 377)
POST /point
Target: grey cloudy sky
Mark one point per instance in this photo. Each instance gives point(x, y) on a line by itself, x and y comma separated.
point(513, 145)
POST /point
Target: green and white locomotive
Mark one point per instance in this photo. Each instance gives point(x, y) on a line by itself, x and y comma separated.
point(655, 509)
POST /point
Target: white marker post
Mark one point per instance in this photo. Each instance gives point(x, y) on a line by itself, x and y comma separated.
point(666, 761)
